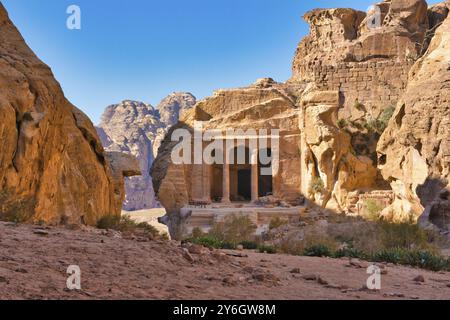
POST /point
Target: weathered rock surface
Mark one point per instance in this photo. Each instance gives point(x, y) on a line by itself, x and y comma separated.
point(52, 164)
point(137, 129)
point(175, 105)
point(348, 76)
point(415, 148)
point(327, 154)
point(133, 128)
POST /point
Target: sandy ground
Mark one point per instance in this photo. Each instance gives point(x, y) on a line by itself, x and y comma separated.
point(33, 265)
point(149, 216)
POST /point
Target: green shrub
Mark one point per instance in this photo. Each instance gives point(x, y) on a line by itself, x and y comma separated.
point(350, 253)
point(386, 115)
point(373, 210)
point(380, 124)
point(267, 249)
point(424, 259)
point(277, 222)
point(207, 241)
point(126, 224)
point(358, 105)
point(197, 233)
point(318, 250)
point(316, 185)
point(291, 246)
point(234, 229)
point(109, 222)
point(342, 123)
point(249, 245)
point(403, 235)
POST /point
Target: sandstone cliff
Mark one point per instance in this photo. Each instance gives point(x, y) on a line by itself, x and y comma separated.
point(354, 75)
point(52, 165)
point(415, 149)
point(137, 129)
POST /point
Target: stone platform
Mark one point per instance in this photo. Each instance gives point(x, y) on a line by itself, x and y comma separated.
point(204, 218)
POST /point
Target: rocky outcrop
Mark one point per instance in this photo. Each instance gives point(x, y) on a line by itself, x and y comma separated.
point(330, 170)
point(133, 127)
point(354, 75)
point(175, 105)
point(137, 129)
point(52, 165)
point(414, 151)
point(123, 165)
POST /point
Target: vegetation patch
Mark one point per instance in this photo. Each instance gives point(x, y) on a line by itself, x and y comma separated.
point(127, 225)
point(316, 185)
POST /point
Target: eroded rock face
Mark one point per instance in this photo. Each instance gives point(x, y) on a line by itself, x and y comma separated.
point(327, 154)
point(52, 165)
point(415, 150)
point(348, 78)
point(137, 129)
point(133, 128)
point(174, 106)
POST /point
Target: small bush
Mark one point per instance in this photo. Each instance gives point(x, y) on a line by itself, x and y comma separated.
point(350, 253)
point(416, 258)
point(197, 233)
point(249, 245)
point(316, 185)
point(342, 123)
point(267, 249)
point(318, 250)
point(126, 224)
point(403, 235)
point(386, 115)
point(234, 229)
point(373, 210)
point(277, 222)
point(291, 246)
point(109, 222)
point(207, 241)
point(358, 105)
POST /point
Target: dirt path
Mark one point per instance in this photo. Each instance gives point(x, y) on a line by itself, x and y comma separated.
point(33, 266)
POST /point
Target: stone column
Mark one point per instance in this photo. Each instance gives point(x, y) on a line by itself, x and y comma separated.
point(255, 175)
point(226, 183)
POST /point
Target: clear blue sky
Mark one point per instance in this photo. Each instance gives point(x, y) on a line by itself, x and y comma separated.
point(146, 49)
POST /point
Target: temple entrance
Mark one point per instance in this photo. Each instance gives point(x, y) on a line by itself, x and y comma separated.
point(244, 184)
point(216, 182)
point(265, 182)
point(241, 175)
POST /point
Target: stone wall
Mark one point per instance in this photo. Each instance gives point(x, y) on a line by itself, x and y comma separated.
point(375, 84)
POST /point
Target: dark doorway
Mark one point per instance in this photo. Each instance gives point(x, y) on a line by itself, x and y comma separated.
point(265, 182)
point(265, 186)
point(216, 182)
point(244, 184)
